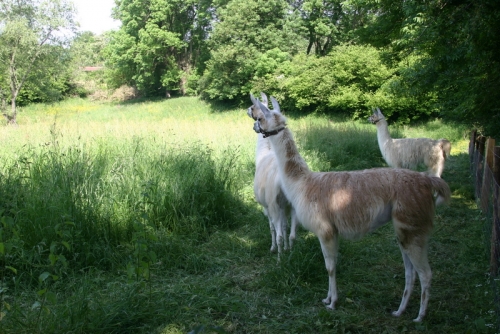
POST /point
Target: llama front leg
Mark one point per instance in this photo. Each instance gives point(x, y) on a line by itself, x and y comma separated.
point(329, 246)
point(293, 228)
point(273, 235)
point(410, 276)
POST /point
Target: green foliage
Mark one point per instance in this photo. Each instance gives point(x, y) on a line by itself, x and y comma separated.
point(86, 49)
point(452, 66)
point(32, 38)
point(228, 72)
point(326, 24)
point(149, 50)
point(243, 46)
point(139, 266)
point(344, 81)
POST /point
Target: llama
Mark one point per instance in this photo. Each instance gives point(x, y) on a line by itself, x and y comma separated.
point(410, 152)
point(268, 192)
point(351, 204)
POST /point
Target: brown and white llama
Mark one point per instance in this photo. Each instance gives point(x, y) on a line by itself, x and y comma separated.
point(351, 204)
point(268, 192)
point(410, 152)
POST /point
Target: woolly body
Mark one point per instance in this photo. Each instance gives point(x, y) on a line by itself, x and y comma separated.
point(352, 204)
point(269, 194)
point(410, 152)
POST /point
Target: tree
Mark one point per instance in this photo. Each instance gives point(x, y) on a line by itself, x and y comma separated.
point(29, 31)
point(321, 19)
point(245, 31)
point(158, 42)
point(86, 49)
point(451, 52)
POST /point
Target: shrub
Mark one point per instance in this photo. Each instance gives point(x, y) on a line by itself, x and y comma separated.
point(343, 81)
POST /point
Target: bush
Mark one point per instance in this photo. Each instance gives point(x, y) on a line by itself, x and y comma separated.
point(343, 81)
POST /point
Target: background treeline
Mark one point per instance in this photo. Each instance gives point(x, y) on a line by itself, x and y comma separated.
point(413, 59)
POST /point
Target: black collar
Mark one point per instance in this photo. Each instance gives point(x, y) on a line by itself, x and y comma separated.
point(271, 133)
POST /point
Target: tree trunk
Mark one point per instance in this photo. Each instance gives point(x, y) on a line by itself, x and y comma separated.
point(12, 119)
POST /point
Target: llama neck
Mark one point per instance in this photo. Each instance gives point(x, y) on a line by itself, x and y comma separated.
point(263, 148)
point(383, 135)
point(291, 164)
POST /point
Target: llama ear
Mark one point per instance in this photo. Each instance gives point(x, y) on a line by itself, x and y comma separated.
point(264, 98)
point(379, 112)
point(263, 108)
point(253, 99)
point(276, 105)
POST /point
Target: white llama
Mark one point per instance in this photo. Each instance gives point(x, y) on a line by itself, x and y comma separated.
point(268, 192)
point(410, 152)
point(351, 204)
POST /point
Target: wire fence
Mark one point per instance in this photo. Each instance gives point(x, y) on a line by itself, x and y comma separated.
point(484, 163)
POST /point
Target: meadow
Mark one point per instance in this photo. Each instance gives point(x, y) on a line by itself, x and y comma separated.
point(139, 217)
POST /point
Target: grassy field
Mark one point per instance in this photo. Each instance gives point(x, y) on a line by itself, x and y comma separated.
point(140, 218)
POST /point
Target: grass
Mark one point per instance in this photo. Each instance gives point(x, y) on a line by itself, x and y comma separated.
point(140, 218)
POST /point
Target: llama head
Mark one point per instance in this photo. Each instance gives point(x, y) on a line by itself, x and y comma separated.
point(253, 110)
point(376, 117)
point(268, 122)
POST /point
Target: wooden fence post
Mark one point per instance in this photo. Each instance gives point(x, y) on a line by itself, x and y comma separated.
point(495, 230)
point(479, 165)
point(487, 174)
point(472, 145)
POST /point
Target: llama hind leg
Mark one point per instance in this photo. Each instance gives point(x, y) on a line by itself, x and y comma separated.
point(410, 276)
point(437, 169)
point(283, 237)
point(436, 163)
point(329, 246)
point(425, 275)
point(277, 222)
point(418, 257)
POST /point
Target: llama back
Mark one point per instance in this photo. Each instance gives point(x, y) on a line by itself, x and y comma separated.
point(407, 152)
point(412, 152)
point(359, 202)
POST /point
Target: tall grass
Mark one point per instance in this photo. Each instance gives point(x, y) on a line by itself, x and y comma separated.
point(140, 218)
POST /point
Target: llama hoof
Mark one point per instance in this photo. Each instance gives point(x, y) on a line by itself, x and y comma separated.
point(418, 319)
point(329, 304)
point(396, 313)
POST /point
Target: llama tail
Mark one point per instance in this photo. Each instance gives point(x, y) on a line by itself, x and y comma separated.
point(446, 146)
point(441, 189)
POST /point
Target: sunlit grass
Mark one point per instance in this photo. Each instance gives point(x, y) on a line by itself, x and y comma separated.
point(170, 182)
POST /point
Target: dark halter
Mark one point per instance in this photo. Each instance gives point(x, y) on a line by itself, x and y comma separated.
point(270, 133)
